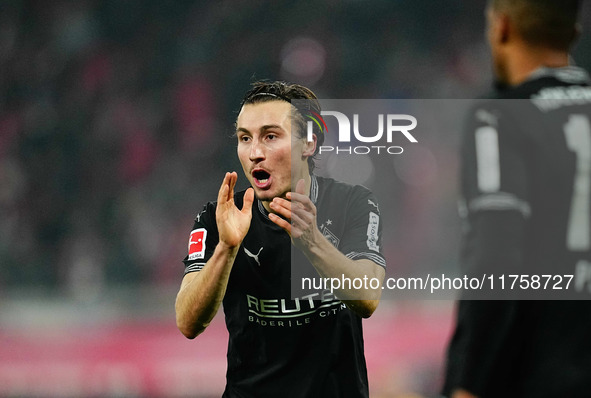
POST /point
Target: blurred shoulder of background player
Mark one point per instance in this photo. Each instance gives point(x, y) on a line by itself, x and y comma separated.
point(520, 202)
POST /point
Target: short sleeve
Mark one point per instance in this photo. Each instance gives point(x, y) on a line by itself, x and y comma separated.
point(363, 231)
point(203, 239)
point(495, 198)
point(494, 172)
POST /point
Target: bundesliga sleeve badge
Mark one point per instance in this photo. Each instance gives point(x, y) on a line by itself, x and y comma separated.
point(197, 244)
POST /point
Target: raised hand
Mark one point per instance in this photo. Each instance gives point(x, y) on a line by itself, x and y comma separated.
point(299, 216)
point(233, 223)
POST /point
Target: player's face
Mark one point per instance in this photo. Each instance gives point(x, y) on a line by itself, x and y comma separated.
point(266, 146)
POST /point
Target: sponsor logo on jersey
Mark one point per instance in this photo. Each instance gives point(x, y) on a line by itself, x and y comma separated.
point(292, 312)
point(198, 218)
point(372, 231)
point(197, 244)
point(374, 204)
point(255, 256)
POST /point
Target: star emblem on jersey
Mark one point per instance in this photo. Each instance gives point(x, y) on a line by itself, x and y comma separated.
point(255, 256)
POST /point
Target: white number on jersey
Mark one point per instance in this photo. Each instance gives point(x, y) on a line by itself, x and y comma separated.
point(578, 139)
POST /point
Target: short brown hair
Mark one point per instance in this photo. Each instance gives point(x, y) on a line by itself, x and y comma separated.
point(264, 91)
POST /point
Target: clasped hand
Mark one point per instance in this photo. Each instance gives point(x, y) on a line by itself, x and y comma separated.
point(298, 216)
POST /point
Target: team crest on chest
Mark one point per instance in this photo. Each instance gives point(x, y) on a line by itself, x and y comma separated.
point(328, 234)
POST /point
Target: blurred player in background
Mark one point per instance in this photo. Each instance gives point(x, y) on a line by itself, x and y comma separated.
point(526, 179)
point(239, 254)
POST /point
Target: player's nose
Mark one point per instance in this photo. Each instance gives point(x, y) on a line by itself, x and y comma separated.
point(257, 151)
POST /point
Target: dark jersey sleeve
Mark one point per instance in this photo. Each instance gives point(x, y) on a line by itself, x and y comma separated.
point(363, 235)
point(495, 208)
point(495, 197)
point(203, 239)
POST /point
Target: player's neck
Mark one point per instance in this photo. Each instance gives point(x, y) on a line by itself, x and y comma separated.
point(522, 62)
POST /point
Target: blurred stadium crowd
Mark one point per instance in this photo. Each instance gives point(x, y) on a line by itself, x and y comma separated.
point(115, 115)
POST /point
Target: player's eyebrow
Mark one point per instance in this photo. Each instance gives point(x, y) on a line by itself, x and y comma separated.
point(263, 128)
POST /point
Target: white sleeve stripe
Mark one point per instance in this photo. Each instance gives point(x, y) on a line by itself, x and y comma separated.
point(500, 201)
point(370, 256)
point(194, 267)
point(487, 159)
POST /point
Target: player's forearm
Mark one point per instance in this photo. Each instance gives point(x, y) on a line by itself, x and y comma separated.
point(201, 293)
point(329, 262)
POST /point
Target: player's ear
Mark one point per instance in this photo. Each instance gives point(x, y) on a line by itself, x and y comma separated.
point(499, 27)
point(506, 28)
point(309, 147)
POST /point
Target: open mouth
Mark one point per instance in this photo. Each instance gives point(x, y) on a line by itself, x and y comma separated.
point(262, 178)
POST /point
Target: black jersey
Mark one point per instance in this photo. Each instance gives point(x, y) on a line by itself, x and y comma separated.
point(310, 346)
point(526, 173)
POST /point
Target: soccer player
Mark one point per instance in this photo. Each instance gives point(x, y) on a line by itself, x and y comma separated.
point(240, 255)
point(526, 178)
